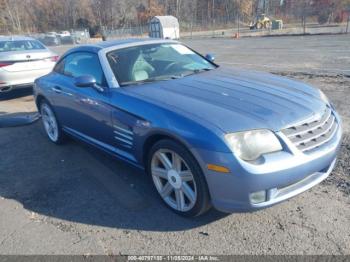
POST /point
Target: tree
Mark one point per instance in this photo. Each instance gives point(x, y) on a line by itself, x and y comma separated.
point(22, 16)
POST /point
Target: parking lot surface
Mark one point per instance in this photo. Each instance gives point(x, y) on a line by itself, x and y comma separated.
point(73, 199)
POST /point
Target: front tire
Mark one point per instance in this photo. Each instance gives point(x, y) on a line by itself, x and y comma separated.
point(267, 25)
point(50, 123)
point(178, 179)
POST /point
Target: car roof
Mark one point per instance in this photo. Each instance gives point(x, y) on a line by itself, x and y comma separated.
point(118, 44)
point(15, 38)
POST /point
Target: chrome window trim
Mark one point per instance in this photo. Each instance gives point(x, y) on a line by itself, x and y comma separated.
point(110, 78)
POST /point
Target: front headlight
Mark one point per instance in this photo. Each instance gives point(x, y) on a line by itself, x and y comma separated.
point(250, 145)
point(323, 97)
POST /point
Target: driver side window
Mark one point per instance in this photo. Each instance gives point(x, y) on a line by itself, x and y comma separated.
point(80, 64)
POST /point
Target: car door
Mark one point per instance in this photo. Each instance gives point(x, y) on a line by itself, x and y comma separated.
point(85, 112)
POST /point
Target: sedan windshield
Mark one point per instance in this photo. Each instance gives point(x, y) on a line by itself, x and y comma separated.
point(20, 45)
point(155, 62)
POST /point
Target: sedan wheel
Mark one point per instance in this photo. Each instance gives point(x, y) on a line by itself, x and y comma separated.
point(178, 179)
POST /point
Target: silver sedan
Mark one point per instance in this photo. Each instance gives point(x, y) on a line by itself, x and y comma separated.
point(22, 60)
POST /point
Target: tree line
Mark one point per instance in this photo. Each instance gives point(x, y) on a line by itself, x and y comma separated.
point(28, 16)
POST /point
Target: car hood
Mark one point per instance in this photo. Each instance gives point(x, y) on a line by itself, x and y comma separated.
point(237, 100)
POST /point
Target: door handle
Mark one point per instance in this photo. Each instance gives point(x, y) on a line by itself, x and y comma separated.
point(87, 101)
point(57, 89)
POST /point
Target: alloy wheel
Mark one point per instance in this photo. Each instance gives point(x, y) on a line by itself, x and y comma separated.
point(50, 123)
point(174, 180)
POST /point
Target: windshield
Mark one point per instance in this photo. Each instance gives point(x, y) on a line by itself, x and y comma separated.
point(155, 62)
point(20, 45)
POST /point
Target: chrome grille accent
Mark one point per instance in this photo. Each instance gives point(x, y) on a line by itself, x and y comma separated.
point(308, 136)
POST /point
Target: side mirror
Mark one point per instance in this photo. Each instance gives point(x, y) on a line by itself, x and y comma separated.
point(85, 81)
point(210, 57)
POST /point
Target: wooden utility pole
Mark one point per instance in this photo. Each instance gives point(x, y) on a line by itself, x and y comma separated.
point(149, 7)
point(213, 8)
point(305, 12)
point(213, 12)
point(238, 18)
point(213, 16)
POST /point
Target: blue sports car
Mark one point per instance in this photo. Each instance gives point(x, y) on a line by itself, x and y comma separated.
point(207, 136)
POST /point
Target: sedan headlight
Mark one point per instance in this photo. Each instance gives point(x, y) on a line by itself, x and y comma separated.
point(250, 145)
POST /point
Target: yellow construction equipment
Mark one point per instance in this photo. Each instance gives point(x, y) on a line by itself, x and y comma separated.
point(261, 22)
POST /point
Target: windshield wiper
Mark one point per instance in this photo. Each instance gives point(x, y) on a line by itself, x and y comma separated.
point(165, 78)
point(130, 83)
point(152, 79)
point(196, 71)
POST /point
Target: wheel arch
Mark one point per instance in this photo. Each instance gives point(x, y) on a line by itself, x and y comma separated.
point(157, 136)
point(39, 99)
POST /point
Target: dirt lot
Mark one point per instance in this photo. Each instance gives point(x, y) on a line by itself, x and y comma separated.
point(74, 199)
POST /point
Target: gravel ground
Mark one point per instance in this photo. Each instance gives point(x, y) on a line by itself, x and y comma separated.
point(73, 199)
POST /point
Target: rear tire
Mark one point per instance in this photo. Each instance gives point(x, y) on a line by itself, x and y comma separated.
point(178, 179)
point(51, 125)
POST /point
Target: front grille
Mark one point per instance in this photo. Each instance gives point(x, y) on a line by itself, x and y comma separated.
point(310, 135)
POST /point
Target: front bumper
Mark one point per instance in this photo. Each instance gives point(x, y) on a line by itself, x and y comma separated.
point(281, 175)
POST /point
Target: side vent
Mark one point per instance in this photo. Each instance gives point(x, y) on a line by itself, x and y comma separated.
point(124, 137)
